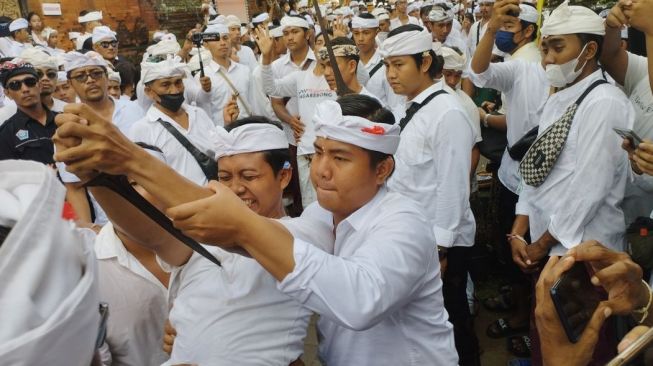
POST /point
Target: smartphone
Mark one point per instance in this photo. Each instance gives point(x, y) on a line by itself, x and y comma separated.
point(630, 135)
point(633, 350)
point(575, 299)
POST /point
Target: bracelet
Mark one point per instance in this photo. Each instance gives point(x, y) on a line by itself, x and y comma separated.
point(517, 236)
point(485, 120)
point(644, 311)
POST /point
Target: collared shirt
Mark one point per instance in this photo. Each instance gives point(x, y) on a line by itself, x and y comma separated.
point(581, 198)
point(199, 133)
point(526, 89)
point(11, 48)
point(396, 22)
point(377, 287)
point(260, 100)
point(221, 91)
point(378, 85)
point(7, 109)
point(137, 304)
point(24, 138)
point(476, 33)
point(58, 105)
point(125, 114)
point(433, 163)
point(247, 58)
point(233, 315)
point(470, 108)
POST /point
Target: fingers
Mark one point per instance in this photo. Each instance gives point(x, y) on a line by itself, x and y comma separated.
point(624, 270)
point(545, 281)
point(631, 337)
point(591, 333)
point(214, 185)
point(185, 210)
point(85, 112)
point(594, 252)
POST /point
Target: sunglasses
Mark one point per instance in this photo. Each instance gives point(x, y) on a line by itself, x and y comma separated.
point(50, 74)
point(17, 84)
point(95, 75)
point(107, 44)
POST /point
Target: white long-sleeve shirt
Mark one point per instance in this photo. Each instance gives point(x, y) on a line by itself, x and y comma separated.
point(433, 162)
point(221, 92)
point(526, 88)
point(581, 198)
point(379, 86)
point(377, 288)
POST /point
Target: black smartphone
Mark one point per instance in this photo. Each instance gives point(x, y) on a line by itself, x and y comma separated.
point(575, 299)
point(630, 135)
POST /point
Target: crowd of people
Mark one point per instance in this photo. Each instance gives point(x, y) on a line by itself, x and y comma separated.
point(318, 161)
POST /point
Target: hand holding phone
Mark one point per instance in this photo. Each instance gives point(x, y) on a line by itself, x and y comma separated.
point(629, 135)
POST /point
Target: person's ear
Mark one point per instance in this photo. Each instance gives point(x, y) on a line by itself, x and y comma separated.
point(590, 50)
point(149, 92)
point(426, 64)
point(284, 177)
point(528, 32)
point(384, 169)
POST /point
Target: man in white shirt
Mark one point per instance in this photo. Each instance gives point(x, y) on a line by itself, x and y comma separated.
point(402, 17)
point(476, 32)
point(522, 81)
point(631, 71)
point(18, 40)
point(441, 28)
point(574, 201)
point(433, 165)
point(244, 54)
point(228, 79)
point(164, 84)
point(46, 70)
point(261, 101)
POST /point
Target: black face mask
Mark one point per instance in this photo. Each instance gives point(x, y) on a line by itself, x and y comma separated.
point(172, 102)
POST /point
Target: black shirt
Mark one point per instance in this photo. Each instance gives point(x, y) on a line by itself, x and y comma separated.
point(24, 138)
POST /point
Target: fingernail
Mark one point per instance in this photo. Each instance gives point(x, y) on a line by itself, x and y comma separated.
point(528, 262)
point(595, 281)
point(607, 312)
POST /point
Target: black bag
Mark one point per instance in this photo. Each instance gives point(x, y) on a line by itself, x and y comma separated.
point(208, 165)
point(519, 149)
point(493, 145)
point(640, 241)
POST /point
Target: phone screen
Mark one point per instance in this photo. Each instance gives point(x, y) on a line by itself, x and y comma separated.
point(575, 299)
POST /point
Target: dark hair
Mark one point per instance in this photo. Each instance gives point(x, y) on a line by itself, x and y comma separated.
point(525, 24)
point(339, 41)
point(275, 158)
point(425, 10)
point(366, 16)
point(88, 44)
point(29, 17)
point(4, 233)
point(437, 62)
point(367, 107)
point(250, 44)
point(84, 12)
point(586, 38)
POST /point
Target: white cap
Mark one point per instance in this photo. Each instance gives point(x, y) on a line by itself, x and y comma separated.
point(384, 16)
point(302, 4)
point(171, 67)
point(156, 37)
point(528, 13)
point(217, 28)
point(47, 32)
point(75, 60)
point(438, 14)
point(363, 23)
point(293, 21)
point(62, 77)
point(79, 41)
point(233, 21)
point(407, 43)
point(49, 288)
point(331, 124)
point(89, 17)
point(452, 59)
point(571, 19)
point(277, 32)
point(17, 24)
point(261, 18)
point(38, 58)
point(249, 138)
point(114, 76)
point(73, 35)
point(353, 3)
point(220, 19)
point(412, 7)
point(102, 33)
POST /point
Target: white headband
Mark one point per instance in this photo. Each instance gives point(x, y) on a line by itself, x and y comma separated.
point(233, 21)
point(61, 77)
point(289, 21)
point(217, 28)
point(38, 58)
point(94, 15)
point(330, 123)
point(568, 19)
point(249, 138)
point(115, 76)
point(74, 60)
point(452, 59)
point(277, 32)
point(73, 35)
point(103, 32)
point(79, 42)
point(220, 19)
point(164, 47)
point(171, 67)
point(412, 7)
point(17, 24)
point(440, 15)
point(528, 13)
point(358, 22)
point(47, 32)
point(407, 43)
point(261, 18)
point(384, 16)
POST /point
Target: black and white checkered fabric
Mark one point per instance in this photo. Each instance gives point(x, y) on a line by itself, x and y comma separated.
point(543, 154)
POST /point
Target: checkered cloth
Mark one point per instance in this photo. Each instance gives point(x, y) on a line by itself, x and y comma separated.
point(543, 154)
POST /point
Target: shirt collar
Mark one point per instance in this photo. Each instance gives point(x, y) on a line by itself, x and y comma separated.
point(108, 245)
point(426, 92)
point(154, 113)
point(216, 66)
point(375, 59)
point(22, 118)
point(577, 89)
point(527, 48)
point(361, 216)
point(309, 56)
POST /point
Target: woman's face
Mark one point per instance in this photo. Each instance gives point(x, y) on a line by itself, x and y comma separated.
point(35, 23)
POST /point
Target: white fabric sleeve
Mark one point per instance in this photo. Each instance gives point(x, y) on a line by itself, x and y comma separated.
point(499, 76)
point(636, 72)
point(284, 87)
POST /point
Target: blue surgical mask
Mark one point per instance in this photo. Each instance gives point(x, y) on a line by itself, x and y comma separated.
point(504, 41)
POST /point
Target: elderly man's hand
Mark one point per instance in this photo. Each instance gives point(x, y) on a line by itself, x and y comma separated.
point(87, 143)
point(616, 273)
point(556, 347)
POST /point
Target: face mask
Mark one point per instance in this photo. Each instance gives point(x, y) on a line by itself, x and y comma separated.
point(505, 42)
point(172, 102)
point(562, 75)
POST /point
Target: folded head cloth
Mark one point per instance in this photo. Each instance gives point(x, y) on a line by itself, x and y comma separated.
point(79, 41)
point(260, 18)
point(572, 19)
point(341, 50)
point(233, 21)
point(359, 131)
point(49, 288)
point(384, 16)
point(407, 43)
point(294, 21)
point(164, 47)
point(528, 13)
point(173, 66)
point(103, 33)
point(452, 59)
point(38, 58)
point(18, 24)
point(412, 7)
point(194, 62)
point(249, 138)
point(362, 23)
point(74, 60)
point(114, 76)
point(437, 14)
point(217, 28)
point(47, 32)
point(277, 31)
point(62, 77)
point(220, 19)
point(9, 69)
point(73, 35)
point(89, 17)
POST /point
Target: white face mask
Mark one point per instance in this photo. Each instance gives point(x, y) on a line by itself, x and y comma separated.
point(562, 75)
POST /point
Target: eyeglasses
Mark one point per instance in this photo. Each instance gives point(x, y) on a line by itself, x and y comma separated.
point(17, 84)
point(50, 74)
point(95, 75)
point(107, 44)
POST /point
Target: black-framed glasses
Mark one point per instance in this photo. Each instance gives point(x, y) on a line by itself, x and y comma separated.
point(95, 75)
point(15, 85)
point(50, 74)
point(107, 44)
